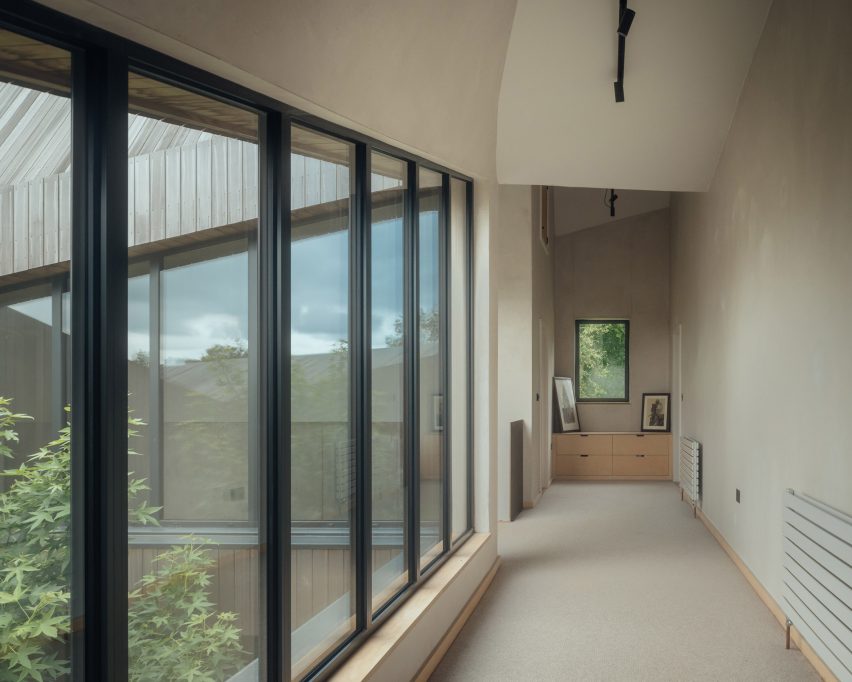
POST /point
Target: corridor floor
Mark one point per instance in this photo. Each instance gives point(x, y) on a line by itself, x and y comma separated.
point(618, 581)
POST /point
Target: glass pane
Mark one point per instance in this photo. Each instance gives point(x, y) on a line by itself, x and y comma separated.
point(602, 359)
point(323, 457)
point(35, 450)
point(459, 384)
point(193, 556)
point(389, 489)
point(431, 375)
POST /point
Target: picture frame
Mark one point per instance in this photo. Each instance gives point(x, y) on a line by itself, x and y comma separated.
point(438, 412)
point(567, 417)
point(656, 412)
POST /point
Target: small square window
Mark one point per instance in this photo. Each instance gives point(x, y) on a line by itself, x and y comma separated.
point(603, 360)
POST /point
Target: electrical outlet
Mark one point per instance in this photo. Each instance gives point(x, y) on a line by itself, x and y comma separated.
point(738, 495)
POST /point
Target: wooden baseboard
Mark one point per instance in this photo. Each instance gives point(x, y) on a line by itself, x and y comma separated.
point(532, 503)
point(612, 478)
point(770, 602)
point(447, 640)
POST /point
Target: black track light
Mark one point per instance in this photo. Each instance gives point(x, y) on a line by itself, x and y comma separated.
point(625, 22)
point(611, 201)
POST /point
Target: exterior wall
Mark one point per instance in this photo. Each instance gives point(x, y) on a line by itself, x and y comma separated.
point(617, 270)
point(762, 284)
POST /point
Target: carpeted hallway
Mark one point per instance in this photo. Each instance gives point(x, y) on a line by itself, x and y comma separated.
point(617, 581)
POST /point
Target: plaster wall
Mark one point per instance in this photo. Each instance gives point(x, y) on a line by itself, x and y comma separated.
point(762, 288)
point(514, 339)
point(617, 270)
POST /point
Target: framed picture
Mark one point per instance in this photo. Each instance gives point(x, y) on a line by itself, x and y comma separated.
point(566, 405)
point(438, 412)
point(656, 411)
point(544, 230)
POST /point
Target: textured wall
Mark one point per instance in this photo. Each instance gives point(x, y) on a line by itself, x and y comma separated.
point(617, 270)
point(514, 331)
point(543, 345)
point(762, 283)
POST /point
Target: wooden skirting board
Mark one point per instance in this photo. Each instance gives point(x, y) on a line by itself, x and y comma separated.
point(446, 642)
point(612, 478)
point(771, 604)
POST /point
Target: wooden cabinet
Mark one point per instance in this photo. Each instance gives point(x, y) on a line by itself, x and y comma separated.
point(640, 456)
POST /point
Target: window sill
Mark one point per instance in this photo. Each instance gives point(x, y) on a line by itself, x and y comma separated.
point(367, 662)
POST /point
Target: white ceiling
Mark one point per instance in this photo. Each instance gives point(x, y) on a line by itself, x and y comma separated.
point(558, 123)
point(576, 208)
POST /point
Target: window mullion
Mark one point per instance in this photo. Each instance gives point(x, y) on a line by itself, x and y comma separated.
point(99, 359)
point(273, 395)
point(445, 270)
point(362, 365)
point(412, 345)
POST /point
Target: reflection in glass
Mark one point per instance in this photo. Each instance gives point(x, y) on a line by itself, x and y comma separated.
point(35, 448)
point(389, 486)
point(322, 452)
point(204, 362)
point(193, 556)
point(459, 392)
point(431, 389)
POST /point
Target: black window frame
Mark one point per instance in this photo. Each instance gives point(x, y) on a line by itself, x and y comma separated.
point(577, 324)
point(99, 269)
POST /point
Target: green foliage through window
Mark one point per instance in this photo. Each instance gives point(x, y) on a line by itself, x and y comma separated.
point(175, 631)
point(602, 360)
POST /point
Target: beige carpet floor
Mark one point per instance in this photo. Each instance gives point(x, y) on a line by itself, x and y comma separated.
point(617, 581)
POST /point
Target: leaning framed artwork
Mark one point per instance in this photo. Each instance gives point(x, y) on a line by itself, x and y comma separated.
point(656, 411)
point(566, 405)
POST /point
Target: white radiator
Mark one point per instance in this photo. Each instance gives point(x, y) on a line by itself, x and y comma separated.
point(690, 470)
point(818, 579)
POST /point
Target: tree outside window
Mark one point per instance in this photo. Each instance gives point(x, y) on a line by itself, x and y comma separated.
point(602, 360)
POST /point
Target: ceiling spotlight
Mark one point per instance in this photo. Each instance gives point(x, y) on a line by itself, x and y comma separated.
point(613, 197)
point(625, 22)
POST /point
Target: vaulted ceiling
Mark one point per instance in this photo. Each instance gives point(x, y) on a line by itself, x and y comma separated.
point(517, 89)
point(686, 61)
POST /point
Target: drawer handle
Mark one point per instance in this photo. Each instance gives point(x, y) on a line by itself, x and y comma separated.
point(583, 455)
point(640, 455)
point(584, 435)
point(640, 435)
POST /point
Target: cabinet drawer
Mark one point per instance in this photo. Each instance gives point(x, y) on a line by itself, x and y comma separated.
point(582, 444)
point(640, 465)
point(583, 465)
point(649, 444)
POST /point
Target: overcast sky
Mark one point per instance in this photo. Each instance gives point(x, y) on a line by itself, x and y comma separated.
point(206, 303)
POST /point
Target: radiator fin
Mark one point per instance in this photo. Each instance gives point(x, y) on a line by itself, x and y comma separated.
point(690, 469)
point(818, 579)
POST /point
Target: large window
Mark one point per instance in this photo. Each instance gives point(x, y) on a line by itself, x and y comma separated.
point(193, 550)
point(388, 184)
point(603, 360)
point(431, 323)
point(35, 436)
point(322, 435)
point(271, 432)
